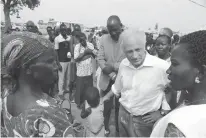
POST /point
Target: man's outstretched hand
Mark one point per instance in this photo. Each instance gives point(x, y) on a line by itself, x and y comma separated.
point(107, 70)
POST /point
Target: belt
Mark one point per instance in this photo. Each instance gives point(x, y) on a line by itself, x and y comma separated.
point(136, 116)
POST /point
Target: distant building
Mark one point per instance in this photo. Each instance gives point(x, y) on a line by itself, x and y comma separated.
point(69, 25)
point(43, 25)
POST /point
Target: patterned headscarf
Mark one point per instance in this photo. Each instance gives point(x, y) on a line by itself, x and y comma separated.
point(22, 47)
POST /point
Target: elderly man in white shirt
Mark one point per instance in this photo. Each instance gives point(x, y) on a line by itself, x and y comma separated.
point(140, 85)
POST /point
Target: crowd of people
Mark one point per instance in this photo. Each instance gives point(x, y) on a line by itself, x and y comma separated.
point(154, 87)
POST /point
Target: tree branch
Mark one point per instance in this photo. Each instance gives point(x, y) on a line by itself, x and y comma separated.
point(8, 3)
point(15, 2)
point(3, 1)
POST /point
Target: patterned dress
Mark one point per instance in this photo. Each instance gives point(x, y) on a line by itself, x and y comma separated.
point(45, 119)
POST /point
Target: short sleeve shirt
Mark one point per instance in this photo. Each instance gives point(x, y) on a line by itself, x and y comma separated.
point(62, 45)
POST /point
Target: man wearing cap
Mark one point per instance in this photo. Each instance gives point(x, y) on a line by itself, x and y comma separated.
point(109, 57)
point(63, 46)
point(140, 85)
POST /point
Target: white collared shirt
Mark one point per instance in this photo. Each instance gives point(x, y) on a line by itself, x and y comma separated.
point(142, 89)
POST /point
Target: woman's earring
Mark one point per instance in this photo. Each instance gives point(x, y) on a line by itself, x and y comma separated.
point(197, 80)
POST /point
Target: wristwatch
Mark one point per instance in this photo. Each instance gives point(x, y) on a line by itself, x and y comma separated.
point(162, 113)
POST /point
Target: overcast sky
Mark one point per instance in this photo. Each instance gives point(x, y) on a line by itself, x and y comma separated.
point(177, 14)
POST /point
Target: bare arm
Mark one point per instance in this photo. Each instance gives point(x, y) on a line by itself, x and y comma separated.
point(80, 57)
point(77, 55)
point(101, 57)
point(108, 96)
point(106, 68)
point(56, 47)
point(71, 47)
point(86, 57)
point(116, 87)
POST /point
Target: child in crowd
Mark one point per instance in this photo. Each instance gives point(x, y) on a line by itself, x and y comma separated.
point(93, 113)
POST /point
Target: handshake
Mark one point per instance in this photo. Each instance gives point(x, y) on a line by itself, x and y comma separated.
point(110, 70)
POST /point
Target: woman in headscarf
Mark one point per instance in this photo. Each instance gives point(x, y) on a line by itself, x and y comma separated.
point(187, 71)
point(28, 110)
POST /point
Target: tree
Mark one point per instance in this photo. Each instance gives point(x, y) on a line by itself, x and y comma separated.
point(12, 7)
point(156, 26)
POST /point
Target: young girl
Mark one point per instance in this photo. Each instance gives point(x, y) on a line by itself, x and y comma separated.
point(93, 112)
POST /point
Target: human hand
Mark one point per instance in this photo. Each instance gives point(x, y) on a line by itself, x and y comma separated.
point(109, 65)
point(86, 112)
point(107, 70)
point(72, 60)
point(118, 96)
point(105, 98)
point(152, 117)
point(69, 55)
point(89, 110)
point(60, 67)
point(168, 88)
point(88, 51)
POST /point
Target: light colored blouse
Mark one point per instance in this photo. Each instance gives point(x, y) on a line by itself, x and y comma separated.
point(84, 68)
point(190, 120)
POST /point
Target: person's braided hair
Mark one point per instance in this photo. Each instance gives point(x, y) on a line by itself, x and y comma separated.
point(197, 45)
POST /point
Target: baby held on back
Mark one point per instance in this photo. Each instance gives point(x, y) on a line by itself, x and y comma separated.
point(93, 113)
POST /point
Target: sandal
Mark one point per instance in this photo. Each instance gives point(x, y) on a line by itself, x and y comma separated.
point(106, 133)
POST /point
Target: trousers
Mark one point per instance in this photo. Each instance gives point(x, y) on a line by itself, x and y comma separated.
point(108, 105)
point(141, 128)
point(64, 78)
point(81, 86)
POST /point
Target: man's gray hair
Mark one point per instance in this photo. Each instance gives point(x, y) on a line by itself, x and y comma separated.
point(136, 34)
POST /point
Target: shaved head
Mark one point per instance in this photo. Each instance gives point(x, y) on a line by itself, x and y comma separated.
point(113, 20)
point(77, 27)
point(166, 31)
point(114, 27)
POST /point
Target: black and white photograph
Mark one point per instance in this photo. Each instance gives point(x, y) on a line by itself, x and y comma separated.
point(103, 68)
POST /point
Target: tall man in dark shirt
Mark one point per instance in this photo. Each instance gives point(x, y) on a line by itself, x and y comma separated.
point(63, 46)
